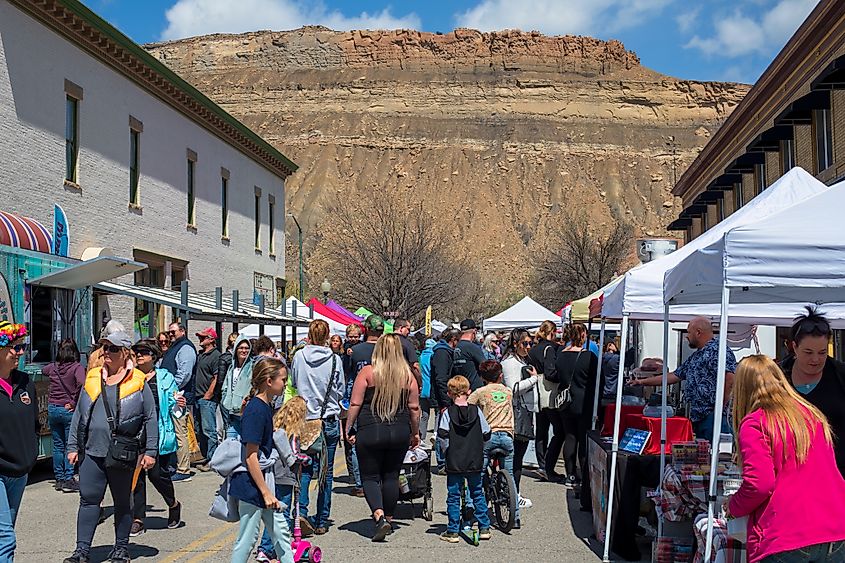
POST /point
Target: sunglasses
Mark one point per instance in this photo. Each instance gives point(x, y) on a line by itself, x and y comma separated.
point(18, 348)
point(112, 349)
point(163, 341)
point(171, 332)
point(527, 343)
point(143, 352)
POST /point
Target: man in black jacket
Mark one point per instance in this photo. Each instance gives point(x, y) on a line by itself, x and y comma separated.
point(441, 372)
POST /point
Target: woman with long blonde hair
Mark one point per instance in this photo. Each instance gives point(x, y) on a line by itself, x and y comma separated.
point(792, 491)
point(385, 404)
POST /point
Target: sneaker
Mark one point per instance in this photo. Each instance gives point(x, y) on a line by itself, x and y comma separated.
point(137, 529)
point(525, 502)
point(382, 529)
point(174, 516)
point(70, 486)
point(484, 534)
point(181, 477)
point(306, 527)
point(102, 517)
point(517, 525)
point(262, 556)
point(439, 470)
point(321, 531)
point(202, 468)
point(58, 485)
point(77, 557)
point(451, 537)
point(358, 492)
point(571, 481)
point(119, 555)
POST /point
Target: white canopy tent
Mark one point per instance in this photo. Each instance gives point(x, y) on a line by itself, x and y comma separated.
point(797, 254)
point(526, 313)
point(640, 296)
point(293, 307)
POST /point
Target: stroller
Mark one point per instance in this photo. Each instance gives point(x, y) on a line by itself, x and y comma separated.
point(415, 481)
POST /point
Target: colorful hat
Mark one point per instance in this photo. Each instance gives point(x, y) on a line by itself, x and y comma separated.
point(10, 332)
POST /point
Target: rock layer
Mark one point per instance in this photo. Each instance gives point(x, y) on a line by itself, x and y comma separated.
point(502, 135)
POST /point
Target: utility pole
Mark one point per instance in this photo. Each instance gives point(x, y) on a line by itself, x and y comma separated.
point(301, 280)
point(674, 146)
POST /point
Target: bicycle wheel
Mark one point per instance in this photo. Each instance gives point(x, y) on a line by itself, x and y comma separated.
point(504, 505)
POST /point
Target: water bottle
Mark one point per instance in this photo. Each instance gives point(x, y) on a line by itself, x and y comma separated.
point(178, 411)
point(404, 488)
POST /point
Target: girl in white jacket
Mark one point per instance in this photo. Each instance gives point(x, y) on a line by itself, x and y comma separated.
point(525, 382)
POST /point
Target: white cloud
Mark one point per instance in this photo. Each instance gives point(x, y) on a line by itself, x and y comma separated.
point(738, 34)
point(579, 17)
point(189, 18)
point(687, 20)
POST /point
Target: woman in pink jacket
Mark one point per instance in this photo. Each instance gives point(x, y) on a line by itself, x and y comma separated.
point(792, 492)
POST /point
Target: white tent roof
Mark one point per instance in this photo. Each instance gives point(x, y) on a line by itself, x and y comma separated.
point(797, 255)
point(640, 294)
point(527, 313)
point(302, 312)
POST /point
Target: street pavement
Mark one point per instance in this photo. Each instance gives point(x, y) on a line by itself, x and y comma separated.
point(552, 530)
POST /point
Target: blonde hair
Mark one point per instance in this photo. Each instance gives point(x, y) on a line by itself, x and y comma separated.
point(760, 384)
point(318, 332)
point(391, 376)
point(291, 417)
point(458, 385)
point(547, 330)
point(264, 371)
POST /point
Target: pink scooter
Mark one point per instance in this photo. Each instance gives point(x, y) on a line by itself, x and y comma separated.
point(303, 550)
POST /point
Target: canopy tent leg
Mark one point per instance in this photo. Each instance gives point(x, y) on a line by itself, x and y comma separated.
point(615, 445)
point(717, 418)
point(598, 395)
point(663, 401)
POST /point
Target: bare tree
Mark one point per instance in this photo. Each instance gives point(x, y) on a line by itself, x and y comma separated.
point(579, 260)
point(377, 248)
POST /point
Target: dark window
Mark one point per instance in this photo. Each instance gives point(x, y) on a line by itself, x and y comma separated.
point(134, 166)
point(824, 138)
point(720, 205)
point(257, 221)
point(271, 226)
point(224, 203)
point(191, 194)
point(71, 138)
point(760, 177)
point(739, 196)
point(787, 155)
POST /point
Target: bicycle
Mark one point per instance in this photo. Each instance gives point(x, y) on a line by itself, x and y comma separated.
point(500, 491)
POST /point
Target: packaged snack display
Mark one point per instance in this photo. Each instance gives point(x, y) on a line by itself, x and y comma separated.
point(672, 550)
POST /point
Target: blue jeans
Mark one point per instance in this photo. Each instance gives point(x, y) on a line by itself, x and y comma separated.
point(208, 423)
point(454, 484)
point(830, 552)
point(438, 449)
point(250, 522)
point(704, 428)
point(60, 419)
point(233, 424)
point(503, 441)
point(285, 495)
point(11, 493)
point(331, 434)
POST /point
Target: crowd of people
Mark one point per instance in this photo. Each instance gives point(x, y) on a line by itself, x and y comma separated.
point(272, 425)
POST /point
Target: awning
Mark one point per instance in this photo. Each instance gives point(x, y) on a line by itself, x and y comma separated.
point(800, 112)
point(202, 307)
point(832, 77)
point(23, 232)
point(746, 162)
point(726, 182)
point(89, 272)
point(770, 139)
point(679, 224)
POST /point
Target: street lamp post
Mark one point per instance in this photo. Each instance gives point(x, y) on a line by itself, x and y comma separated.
point(301, 280)
point(325, 287)
point(385, 303)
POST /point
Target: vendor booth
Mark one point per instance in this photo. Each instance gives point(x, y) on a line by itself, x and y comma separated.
point(304, 315)
point(526, 313)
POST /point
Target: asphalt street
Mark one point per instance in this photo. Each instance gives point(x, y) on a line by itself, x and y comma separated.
point(553, 529)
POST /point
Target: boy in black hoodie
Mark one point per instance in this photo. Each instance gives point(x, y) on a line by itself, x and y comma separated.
point(463, 431)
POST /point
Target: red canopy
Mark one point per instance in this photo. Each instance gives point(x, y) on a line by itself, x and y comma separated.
point(319, 307)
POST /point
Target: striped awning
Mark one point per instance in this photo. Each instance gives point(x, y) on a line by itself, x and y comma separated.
point(23, 232)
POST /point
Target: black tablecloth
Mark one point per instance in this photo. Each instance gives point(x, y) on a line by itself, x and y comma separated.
point(632, 472)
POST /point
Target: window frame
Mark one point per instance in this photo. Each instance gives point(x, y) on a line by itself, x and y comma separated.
point(760, 177)
point(71, 138)
point(224, 203)
point(271, 224)
point(787, 155)
point(739, 195)
point(134, 167)
point(823, 138)
point(192, 188)
point(257, 239)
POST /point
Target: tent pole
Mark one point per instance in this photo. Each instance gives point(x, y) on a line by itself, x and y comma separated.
point(717, 418)
point(598, 395)
point(614, 452)
point(663, 400)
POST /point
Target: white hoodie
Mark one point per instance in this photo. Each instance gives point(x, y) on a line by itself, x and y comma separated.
point(310, 375)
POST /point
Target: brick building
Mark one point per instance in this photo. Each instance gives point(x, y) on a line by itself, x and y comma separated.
point(142, 163)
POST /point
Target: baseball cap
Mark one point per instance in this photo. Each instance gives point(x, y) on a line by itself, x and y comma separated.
point(118, 339)
point(208, 332)
point(374, 323)
point(468, 324)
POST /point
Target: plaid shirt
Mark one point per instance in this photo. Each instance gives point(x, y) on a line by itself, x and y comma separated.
point(699, 376)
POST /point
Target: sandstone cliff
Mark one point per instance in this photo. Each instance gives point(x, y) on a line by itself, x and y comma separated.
point(500, 134)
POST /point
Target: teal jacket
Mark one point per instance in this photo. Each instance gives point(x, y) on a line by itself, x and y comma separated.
point(234, 394)
point(167, 388)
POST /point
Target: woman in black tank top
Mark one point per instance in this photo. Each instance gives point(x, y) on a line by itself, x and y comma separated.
point(385, 406)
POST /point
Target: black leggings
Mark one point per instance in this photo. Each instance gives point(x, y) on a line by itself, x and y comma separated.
point(575, 444)
point(541, 438)
point(520, 446)
point(381, 450)
point(556, 420)
point(160, 478)
point(93, 478)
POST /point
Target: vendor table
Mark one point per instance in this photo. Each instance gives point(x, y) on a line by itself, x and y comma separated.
point(632, 472)
point(678, 429)
point(610, 413)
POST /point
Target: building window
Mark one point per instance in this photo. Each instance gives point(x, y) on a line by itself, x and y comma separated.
point(71, 138)
point(824, 138)
point(739, 197)
point(787, 155)
point(271, 224)
point(257, 218)
point(224, 203)
point(720, 206)
point(759, 178)
point(192, 196)
point(134, 166)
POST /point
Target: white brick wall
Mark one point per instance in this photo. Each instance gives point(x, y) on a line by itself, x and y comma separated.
point(34, 63)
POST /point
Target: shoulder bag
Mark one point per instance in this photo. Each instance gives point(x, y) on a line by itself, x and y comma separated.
point(563, 397)
point(123, 450)
point(315, 446)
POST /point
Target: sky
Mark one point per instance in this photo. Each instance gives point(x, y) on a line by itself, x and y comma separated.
point(725, 40)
